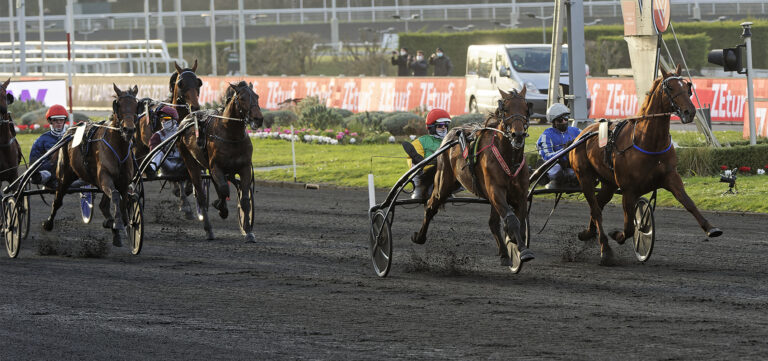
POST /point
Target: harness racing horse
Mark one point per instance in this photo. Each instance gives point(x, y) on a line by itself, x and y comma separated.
point(499, 174)
point(10, 150)
point(644, 160)
point(107, 165)
point(185, 91)
point(225, 149)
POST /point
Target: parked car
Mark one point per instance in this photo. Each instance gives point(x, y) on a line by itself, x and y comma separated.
point(507, 67)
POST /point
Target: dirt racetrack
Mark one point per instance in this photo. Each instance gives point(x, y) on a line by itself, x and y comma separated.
point(306, 290)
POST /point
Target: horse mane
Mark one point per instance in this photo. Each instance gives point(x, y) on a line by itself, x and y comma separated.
point(647, 103)
point(231, 92)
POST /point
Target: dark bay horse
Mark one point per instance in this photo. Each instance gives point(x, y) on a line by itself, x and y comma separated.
point(500, 174)
point(644, 160)
point(185, 92)
point(225, 149)
point(10, 151)
point(107, 164)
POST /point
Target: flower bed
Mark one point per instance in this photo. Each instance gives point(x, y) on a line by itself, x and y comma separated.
point(327, 136)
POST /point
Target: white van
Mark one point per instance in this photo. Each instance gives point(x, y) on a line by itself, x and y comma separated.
point(507, 67)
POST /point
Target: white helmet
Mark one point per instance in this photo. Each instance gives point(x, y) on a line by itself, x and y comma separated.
point(557, 110)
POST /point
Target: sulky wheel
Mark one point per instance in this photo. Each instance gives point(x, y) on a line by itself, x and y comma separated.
point(24, 217)
point(243, 213)
point(135, 223)
point(12, 230)
point(86, 206)
point(381, 243)
point(645, 230)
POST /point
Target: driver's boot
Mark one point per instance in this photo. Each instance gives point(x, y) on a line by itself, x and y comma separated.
point(419, 188)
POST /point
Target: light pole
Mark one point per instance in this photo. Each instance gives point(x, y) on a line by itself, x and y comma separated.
point(412, 17)
point(543, 25)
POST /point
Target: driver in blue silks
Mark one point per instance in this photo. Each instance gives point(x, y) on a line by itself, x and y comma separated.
point(553, 140)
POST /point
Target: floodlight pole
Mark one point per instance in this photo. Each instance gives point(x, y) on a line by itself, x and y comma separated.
point(241, 30)
point(747, 35)
point(179, 41)
point(22, 36)
point(12, 31)
point(42, 34)
point(213, 40)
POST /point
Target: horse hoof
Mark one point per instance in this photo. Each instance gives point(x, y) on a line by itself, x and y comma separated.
point(618, 236)
point(250, 238)
point(714, 232)
point(108, 223)
point(586, 235)
point(209, 236)
point(506, 262)
point(189, 215)
point(415, 238)
point(223, 213)
point(116, 240)
point(606, 259)
point(48, 225)
point(526, 255)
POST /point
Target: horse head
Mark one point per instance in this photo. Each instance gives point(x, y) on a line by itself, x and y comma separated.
point(246, 103)
point(678, 92)
point(5, 98)
point(125, 109)
point(513, 114)
point(185, 86)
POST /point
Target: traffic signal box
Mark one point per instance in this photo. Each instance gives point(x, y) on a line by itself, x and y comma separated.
point(729, 58)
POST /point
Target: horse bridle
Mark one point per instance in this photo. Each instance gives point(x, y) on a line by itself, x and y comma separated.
point(246, 117)
point(180, 94)
point(116, 107)
point(501, 112)
point(668, 92)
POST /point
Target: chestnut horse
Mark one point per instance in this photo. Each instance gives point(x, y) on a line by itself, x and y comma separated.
point(10, 151)
point(500, 174)
point(224, 148)
point(185, 91)
point(107, 165)
point(644, 160)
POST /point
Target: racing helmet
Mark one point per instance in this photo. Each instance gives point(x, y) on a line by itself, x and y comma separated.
point(56, 111)
point(169, 111)
point(557, 110)
point(437, 116)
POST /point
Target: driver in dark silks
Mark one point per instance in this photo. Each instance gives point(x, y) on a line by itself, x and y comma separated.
point(46, 175)
point(173, 165)
point(422, 147)
point(553, 140)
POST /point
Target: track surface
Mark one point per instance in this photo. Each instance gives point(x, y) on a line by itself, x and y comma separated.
point(306, 290)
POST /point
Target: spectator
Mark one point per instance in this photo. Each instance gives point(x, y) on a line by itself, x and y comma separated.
point(441, 62)
point(419, 64)
point(401, 61)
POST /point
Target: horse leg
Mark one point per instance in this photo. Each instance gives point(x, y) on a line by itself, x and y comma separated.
point(64, 183)
point(603, 197)
point(245, 202)
point(520, 209)
point(674, 184)
point(443, 187)
point(118, 226)
point(183, 202)
point(222, 191)
point(104, 208)
point(596, 214)
point(494, 222)
point(628, 200)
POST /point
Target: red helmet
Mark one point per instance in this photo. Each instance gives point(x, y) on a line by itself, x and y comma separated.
point(437, 116)
point(56, 110)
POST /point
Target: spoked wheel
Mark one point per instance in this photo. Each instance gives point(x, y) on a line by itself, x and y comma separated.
point(243, 213)
point(86, 206)
point(645, 229)
point(135, 223)
point(381, 243)
point(24, 215)
point(12, 229)
point(206, 183)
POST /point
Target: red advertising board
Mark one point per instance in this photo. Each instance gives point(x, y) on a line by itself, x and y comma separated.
point(761, 120)
point(355, 94)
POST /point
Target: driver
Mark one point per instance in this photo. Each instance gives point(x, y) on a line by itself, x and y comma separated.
point(553, 140)
point(57, 117)
point(173, 165)
point(422, 147)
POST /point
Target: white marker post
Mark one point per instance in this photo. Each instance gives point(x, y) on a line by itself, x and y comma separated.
point(371, 191)
point(293, 154)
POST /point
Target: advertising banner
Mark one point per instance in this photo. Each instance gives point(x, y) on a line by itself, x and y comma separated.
point(761, 121)
point(48, 92)
point(615, 98)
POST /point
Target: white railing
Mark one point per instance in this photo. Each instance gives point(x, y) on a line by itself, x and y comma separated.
point(447, 12)
point(136, 57)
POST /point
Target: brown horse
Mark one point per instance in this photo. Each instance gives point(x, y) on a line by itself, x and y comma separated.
point(10, 151)
point(225, 149)
point(185, 91)
point(643, 160)
point(500, 174)
point(107, 165)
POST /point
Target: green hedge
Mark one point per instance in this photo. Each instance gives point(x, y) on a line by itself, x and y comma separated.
point(614, 53)
point(707, 161)
point(722, 35)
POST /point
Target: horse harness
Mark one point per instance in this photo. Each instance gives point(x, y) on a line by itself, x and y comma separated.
point(85, 147)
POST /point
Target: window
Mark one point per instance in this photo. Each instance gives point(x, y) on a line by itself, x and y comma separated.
point(535, 60)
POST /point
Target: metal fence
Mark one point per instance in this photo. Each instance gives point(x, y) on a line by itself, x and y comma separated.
point(465, 12)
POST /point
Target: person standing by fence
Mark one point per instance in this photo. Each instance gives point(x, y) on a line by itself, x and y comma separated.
point(419, 64)
point(401, 61)
point(441, 62)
